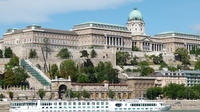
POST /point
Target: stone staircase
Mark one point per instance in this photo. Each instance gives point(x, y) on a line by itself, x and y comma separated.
point(36, 75)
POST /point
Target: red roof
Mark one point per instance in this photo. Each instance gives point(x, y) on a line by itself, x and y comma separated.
point(100, 84)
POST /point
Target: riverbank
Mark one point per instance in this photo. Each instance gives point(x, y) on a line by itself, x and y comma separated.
point(183, 104)
point(176, 105)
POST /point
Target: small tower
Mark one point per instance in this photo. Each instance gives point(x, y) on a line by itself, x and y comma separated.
point(135, 23)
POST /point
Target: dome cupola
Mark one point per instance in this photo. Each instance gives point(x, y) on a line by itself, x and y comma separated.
point(135, 15)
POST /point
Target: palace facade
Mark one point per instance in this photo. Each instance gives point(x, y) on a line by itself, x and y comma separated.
point(102, 36)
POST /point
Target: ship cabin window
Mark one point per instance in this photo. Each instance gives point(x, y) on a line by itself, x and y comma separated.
point(118, 104)
point(106, 103)
point(83, 103)
point(60, 103)
point(93, 103)
point(74, 103)
point(70, 103)
point(97, 103)
point(161, 104)
point(55, 103)
point(79, 103)
point(102, 103)
point(88, 103)
point(65, 103)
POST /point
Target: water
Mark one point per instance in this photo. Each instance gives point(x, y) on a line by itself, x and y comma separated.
point(133, 111)
point(184, 111)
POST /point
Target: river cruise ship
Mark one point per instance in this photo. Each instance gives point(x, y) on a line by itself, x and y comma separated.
point(89, 106)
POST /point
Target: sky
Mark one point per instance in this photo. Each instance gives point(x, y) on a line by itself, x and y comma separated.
point(159, 15)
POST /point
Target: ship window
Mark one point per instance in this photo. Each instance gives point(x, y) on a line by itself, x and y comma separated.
point(55, 103)
point(74, 103)
point(93, 103)
point(79, 103)
point(106, 103)
point(83, 103)
point(97, 103)
point(70, 103)
point(88, 103)
point(102, 103)
point(60, 103)
point(118, 104)
point(65, 103)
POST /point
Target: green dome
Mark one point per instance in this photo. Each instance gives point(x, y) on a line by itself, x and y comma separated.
point(135, 15)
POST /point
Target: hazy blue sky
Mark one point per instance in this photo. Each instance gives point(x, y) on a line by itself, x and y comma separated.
point(159, 15)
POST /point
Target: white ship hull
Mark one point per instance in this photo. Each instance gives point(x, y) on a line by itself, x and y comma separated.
point(89, 106)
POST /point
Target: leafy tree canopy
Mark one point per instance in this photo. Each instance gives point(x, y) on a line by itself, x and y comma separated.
point(135, 48)
point(154, 92)
point(1, 53)
point(14, 61)
point(181, 54)
point(134, 60)
point(111, 94)
point(197, 65)
point(93, 53)
point(8, 52)
point(41, 93)
point(54, 71)
point(85, 94)
point(32, 53)
point(84, 53)
point(68, 68)
point(122, 58)
point(64, 53)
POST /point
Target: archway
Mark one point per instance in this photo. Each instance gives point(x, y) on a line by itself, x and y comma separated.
point(62, 90)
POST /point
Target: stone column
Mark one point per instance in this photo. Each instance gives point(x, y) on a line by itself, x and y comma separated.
point(118, 41)
point(106, 40)
point(110, 40)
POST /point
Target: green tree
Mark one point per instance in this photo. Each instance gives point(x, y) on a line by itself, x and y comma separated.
point(85, 94)
point(111, 94)
point(154, 92)
point(41, 93)
point(32, 53)
point(145, 69)
point(11, 95)
point(54, 71)
point(181, 54)
point(77, 95)
point(9, 78)
point(171, 90)
point(14, 61)
point(134, 61)
point(70, 94)
point(122, 58)
point(105, 71)
point(64, 53)
point(38, 66)
point(8, 52)
point(1, 53)
point(197, 65)
point(134, 48)
point(84, 53)
point(20, 76)
point(93, 53)
point(68, 68)
point(172, 68)
point(1, 96)
point(163, 65)
point(157, 59)
point(193, 51)
point(82, 79)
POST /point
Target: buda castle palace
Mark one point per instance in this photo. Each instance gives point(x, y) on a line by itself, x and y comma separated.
point(101, 36)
